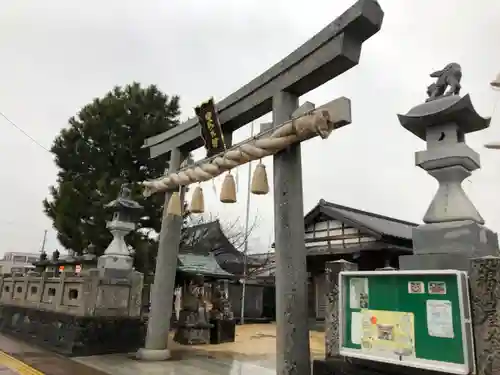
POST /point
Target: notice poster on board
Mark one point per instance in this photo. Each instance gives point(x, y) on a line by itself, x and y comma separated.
point(414, 318)
point(440, 319)
point(356, 327)
point(358, 293)
point(388, 332)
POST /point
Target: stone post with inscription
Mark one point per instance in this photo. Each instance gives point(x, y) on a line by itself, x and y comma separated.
point(332, 271)
point(484, 279)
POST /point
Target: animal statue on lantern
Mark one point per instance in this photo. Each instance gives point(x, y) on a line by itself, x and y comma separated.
point(450, 77)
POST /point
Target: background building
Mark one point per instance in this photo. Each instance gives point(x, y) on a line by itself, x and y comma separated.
point(334, 232)
point(18, 262)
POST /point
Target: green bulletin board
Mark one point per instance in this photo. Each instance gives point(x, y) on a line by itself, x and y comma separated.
point(410, 318)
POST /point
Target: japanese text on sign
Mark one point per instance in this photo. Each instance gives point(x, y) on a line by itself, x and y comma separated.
point(210, 128)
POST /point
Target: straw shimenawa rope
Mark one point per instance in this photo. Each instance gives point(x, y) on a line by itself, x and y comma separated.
point(319, 122)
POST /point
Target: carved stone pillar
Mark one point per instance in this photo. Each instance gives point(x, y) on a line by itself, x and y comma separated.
point(332, 270)
point(484, 280)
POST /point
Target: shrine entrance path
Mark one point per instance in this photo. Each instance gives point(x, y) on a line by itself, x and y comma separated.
point(253, 353)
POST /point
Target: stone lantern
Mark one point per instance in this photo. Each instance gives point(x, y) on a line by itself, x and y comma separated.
point(125, 211)
point(454, 231)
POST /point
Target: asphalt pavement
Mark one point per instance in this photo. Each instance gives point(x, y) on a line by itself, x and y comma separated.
point(22, 359)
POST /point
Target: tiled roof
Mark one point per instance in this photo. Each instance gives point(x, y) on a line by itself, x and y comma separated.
point(201, 263)
point(374, 222)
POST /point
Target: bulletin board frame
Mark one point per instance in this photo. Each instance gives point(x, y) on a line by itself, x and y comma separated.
point(412, 296)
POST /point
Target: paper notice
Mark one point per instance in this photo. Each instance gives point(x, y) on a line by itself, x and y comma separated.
point(358, 288)
point(416, 287)
point(440, 319)
point(356, 327)
point(437, 287)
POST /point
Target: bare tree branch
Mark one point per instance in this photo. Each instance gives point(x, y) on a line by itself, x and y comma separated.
point(267, 263)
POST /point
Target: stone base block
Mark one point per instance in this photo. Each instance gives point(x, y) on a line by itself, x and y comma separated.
point(434, 262)
point(193, 335)
point(73, 335)
point(343, 366)
point(461, 237)
point(115, 273)
point(116, 262)
point(222, 331)
point(144, 354)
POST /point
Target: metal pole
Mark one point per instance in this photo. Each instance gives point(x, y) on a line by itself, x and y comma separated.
point(156, 346)
point(245, 249)
point(292, 331)
point(495, 85)
point(43, 242)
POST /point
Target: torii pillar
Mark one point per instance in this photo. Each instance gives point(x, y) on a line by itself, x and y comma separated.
point(292, 331)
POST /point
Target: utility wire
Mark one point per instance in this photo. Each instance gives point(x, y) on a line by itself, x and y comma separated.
point(23, 132)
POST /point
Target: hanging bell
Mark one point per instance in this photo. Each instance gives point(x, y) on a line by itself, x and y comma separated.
point(260, 185)
point(197, 201)
point(174, 205)
point(495, 84)
point(228, 190)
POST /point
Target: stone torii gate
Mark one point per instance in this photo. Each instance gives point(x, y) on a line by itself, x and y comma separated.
point(331, 52)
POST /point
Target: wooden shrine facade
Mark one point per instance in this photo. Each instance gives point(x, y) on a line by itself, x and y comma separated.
point(334, 232)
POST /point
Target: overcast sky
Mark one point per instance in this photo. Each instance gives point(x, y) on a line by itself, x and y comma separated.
point(58, 55)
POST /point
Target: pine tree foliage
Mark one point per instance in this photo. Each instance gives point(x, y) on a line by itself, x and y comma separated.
point(101, 149)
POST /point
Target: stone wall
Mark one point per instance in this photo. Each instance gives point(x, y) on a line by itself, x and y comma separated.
point(88, 313)
point(83, 294)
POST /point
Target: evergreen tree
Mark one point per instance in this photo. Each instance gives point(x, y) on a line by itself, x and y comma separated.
point(100, 150)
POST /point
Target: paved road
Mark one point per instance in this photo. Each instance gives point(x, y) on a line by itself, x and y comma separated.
point(252, 354)
point(7, 371)
point(21, 359)
point(12, 366)
point(192, 363)
point(18, 358)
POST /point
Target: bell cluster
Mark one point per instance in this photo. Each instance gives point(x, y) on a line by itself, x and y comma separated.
point(259, 186)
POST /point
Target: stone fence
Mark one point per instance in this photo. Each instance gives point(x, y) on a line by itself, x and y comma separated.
point(84, 313)
point(79, 294)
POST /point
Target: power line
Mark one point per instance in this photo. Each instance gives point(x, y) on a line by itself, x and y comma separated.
point(23, 132)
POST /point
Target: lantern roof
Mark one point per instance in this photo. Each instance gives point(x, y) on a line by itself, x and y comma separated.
point(124, 200)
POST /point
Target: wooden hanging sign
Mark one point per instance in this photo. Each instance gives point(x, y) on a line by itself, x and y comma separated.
point(211, 130)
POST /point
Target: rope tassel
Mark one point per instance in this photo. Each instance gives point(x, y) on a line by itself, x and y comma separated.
point(174, 205)
point(260, 184)
point(197, 201)
point(228, 190)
